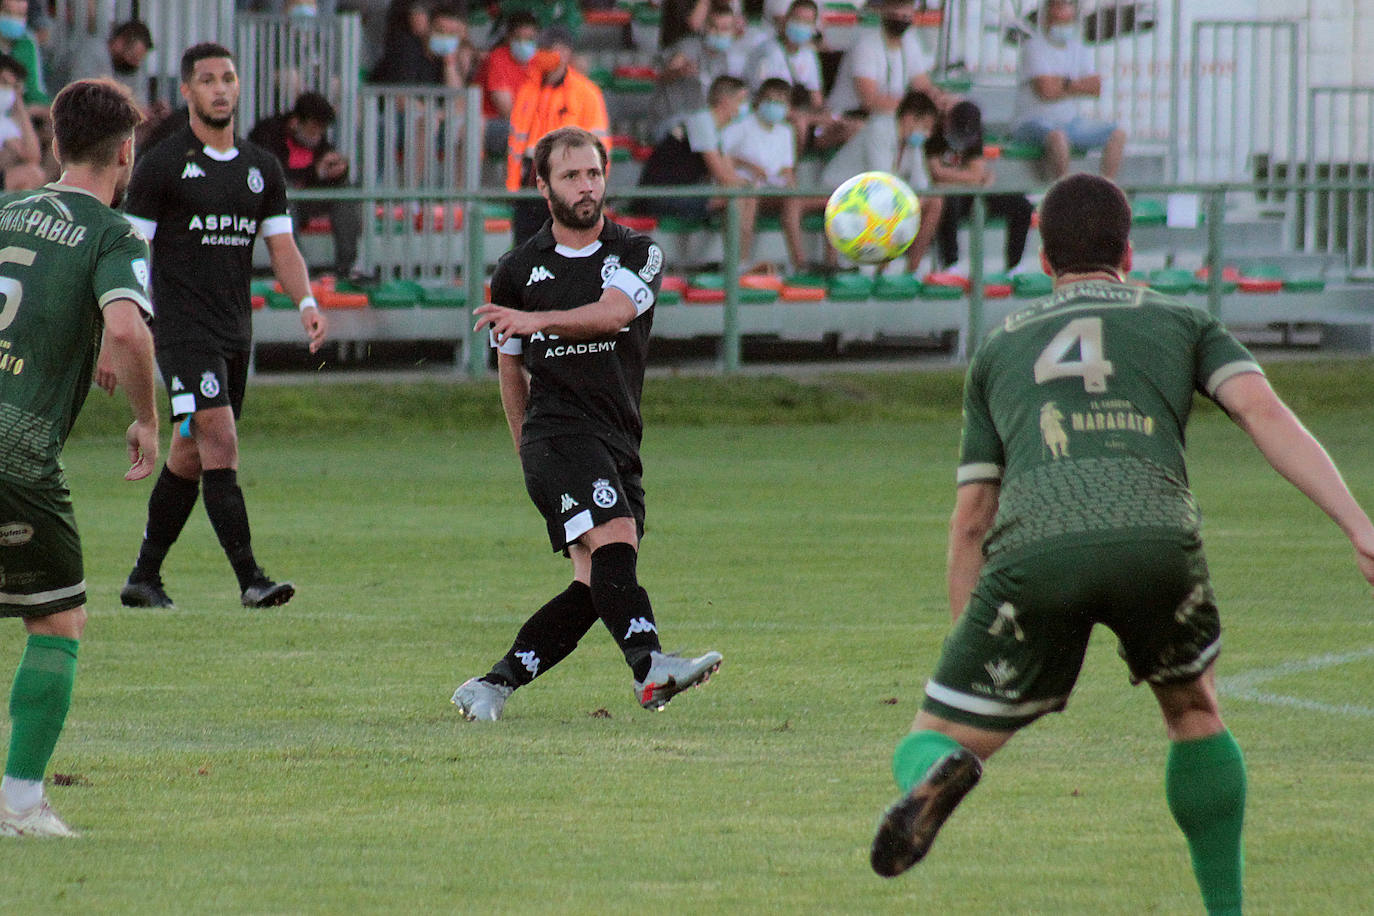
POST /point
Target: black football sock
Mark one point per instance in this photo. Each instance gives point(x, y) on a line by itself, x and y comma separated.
point(169, 505)
point(623, 606)
point(229, 516)
point(548, 637)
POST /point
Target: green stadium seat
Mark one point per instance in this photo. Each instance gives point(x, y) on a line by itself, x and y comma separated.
point(396, 294)
point(1031, 285)
point(849, 288)
point(940, 291)
point(899, 287)
point(280, 301)
point(445, 296)
point(1147, 212)
point(1171, 281)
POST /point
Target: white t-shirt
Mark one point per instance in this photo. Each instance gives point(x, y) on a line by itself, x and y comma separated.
point(1042, 57)
point(702, 134)
point(891, 68)
point(9, 130)
point(875, 148)
point(770, 60)
point(770, 147)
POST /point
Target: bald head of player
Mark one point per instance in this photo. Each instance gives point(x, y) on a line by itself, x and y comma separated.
point(93, 136)
point(210, 84)
point(1085, 229)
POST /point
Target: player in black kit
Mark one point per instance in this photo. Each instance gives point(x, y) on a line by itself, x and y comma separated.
point(201, 197)
point(571, 312)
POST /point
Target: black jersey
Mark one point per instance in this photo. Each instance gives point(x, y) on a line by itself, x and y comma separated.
point(201, 210)
point(587, 387)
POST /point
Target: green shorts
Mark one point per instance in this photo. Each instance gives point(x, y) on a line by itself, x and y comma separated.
point(40, 552)
point(1016, 651)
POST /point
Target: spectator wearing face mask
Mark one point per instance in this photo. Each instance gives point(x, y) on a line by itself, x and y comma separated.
point(18, 42)
point(881, 66)
point(689, 67)
point(501, 75)
point(20, 155)
point(1054, 72)
point(763, 147)
point(556, 95)
point(438, 55)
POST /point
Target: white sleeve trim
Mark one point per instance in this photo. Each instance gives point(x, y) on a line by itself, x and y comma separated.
point(629, 283)
point(146, 227)
point(513, 346)
point(978, 472)
point(276, 225)
point(137, 296)
point(1230, 370)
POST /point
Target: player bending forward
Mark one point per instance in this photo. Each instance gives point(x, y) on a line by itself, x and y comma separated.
point(1060, 526)
point(571, 312)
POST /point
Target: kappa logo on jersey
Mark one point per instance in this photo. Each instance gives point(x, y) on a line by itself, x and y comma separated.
point(255, 182)
point(176, 384)
point(640, 625)
point(603, 494)
point(530, 660)
point(209, 385)
point(569, 503)
point(192, 171)
point(653, 265)
point(540, 272)
point(609, 267)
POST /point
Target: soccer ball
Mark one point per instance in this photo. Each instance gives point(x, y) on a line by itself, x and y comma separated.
point(872, 217)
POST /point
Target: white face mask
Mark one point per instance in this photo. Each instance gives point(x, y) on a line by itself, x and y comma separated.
point(1061, 34)
point(7, 97)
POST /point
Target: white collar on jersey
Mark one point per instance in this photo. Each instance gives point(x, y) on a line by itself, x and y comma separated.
point(221, 155)
point(59, 186)
point(586, 252)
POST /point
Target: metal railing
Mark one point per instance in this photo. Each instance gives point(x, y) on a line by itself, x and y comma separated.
point(1340, 146)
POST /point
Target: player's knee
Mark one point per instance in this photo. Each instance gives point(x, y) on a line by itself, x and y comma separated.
point(69, 624)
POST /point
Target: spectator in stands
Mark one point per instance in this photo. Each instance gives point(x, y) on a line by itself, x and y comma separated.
point(299, 139)
point(565, 13)
point(689, 67)
point(43, 129)
point(557, 96)
point(501, 75)
point(895, 144)
point(680, 18)
point(85, 54)
point(438, 55)
point(791, 55)
point(955, 157)
point(881, 66)
point(20, 154)
point(693, 153)
point(1055, 70)
point(763, 148)
point(18, 42)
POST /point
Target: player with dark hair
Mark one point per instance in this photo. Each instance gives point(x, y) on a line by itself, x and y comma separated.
point(201, 197)
point(71, 271)
point(1073, 509)
point(570, 313)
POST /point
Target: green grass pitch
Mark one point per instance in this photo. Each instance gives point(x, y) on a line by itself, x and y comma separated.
point(307, 758)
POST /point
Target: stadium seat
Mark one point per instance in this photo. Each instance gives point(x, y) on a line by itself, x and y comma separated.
point(941, 278)
point(849, 288)
point(1147, 212)
point(761, 281)
point(334, 299)
point(997, 286)
point(1171, 281)
point(942, 291)
point(1260, 278)
point(396, 294)
point(802, 294)
point(1230, 278)
point(1031, 286)
point(258, 302)
point(897, 288)
point(443, 296)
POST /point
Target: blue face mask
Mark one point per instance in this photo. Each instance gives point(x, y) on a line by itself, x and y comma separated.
point(12, 28)
point(1061, 34)
point(798, 33)
point(718, 42)
point(772, 111)
point(443, 45)
point(916, 140)
point(743, 113)
point(522, 51)
point(304, 12)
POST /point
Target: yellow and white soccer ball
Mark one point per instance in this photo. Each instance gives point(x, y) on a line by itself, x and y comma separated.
point(872, 217)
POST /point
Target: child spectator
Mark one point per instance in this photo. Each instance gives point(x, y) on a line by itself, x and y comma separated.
point(955, 157)
point(763, 148)
point(20, 155)
point(688, 67)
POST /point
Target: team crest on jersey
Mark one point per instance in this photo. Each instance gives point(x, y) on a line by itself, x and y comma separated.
point(603, 494)
point(209, 385)
point(609, 267)
point(192, 171)
point(255, 183)
point(652, 265)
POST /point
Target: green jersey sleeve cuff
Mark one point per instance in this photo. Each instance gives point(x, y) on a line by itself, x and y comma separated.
point(978, 472)
point(137, 296)
point(1240, 367)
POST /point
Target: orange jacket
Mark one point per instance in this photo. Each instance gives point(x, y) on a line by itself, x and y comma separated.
point(538, 109)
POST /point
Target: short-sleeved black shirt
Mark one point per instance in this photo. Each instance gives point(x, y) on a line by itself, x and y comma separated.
point(589, 387)
point(202, 210)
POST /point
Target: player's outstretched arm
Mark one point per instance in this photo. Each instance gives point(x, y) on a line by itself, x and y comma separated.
point(130, 358)
point(975, 509)
point(289, 268)
point(1297, 455)
point(602, 318)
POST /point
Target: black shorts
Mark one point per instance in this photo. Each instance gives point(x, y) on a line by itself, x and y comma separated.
point(199, 378)
point(577, 483)
point(41, 572)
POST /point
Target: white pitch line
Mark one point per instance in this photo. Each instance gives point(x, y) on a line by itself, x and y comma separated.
point(1244, 685)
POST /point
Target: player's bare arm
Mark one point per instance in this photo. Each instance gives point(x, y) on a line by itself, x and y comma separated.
point(1296, 454)
point(975, 508)
point(130, 348)
point(514, 382)
point(289, 268)
point(601, 318)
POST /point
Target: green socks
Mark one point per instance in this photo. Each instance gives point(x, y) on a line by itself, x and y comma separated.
point(917, 753)
point(1204, 782)
point(38, 704)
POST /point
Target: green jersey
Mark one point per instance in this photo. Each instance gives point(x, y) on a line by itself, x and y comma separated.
point(1077, 406)
point(64, 256)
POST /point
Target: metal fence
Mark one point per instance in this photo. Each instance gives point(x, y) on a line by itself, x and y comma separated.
point(280, 57)
point(1340, 147)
